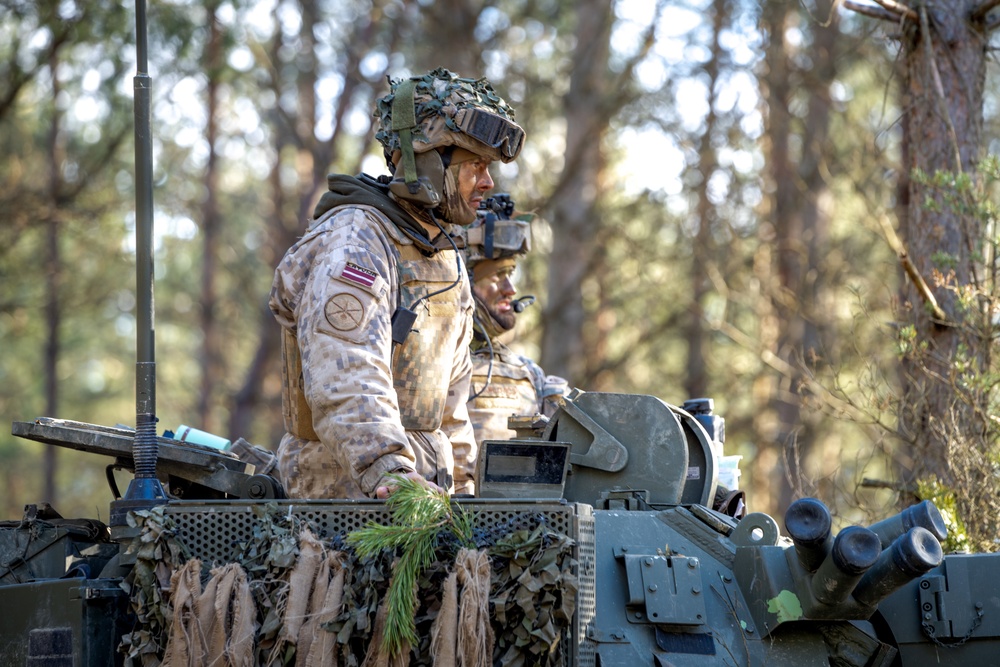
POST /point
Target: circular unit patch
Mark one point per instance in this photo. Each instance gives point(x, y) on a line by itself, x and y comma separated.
point(344, 312)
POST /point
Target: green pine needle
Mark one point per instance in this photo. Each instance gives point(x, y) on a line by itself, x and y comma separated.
point(419, 515)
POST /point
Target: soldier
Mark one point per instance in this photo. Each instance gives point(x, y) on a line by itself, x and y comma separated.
point(503, 383)
point(375, 307)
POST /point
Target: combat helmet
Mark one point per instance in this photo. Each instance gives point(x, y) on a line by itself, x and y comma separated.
point(436, 111)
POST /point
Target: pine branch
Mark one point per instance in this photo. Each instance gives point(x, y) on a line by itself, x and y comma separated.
point(898, 8)
point(985, 8)
point(873, 11)
point(419, 516)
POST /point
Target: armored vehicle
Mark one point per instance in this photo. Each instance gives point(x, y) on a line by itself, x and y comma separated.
point(663, 579)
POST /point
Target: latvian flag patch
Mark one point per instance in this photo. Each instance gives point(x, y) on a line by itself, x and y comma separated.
point(356, 274)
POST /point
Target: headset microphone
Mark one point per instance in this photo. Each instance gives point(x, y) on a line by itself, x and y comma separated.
point(520, 304)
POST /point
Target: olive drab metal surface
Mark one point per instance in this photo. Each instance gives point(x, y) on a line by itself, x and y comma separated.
point(638, 439)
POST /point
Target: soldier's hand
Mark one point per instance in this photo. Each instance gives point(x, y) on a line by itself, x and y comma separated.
point(383, 491)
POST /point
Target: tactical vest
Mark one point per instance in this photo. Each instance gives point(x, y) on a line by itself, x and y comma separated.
point(422, 286)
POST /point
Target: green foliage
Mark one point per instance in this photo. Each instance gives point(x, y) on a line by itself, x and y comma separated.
point(967, 424)
point(944, 499)
point(944, 260)
point(419, 516)
point(905, 340)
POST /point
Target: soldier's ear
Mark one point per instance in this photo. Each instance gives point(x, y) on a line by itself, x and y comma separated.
point(427, 189)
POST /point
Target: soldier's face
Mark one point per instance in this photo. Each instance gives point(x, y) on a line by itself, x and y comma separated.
point(494, 286)
point(474, 180)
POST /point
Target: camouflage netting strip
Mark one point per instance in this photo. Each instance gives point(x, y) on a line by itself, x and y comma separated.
point(533, 597)
point(313, 602)
point(158, 554)
point(215, 626)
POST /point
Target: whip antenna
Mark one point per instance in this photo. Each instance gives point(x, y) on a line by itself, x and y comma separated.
point(145, 489)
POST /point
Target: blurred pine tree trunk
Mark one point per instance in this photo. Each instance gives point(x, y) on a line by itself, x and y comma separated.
point(211, 358)
point(575, 216)
point(944, 50)
point(795, 236)
point(706, 219)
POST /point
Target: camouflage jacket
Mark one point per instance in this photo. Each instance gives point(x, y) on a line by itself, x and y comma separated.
point(518, 386)
point(356, 406)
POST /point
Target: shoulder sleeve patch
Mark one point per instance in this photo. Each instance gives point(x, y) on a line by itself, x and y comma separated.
point(344, 312)
point(360, 276)
point(355, 293)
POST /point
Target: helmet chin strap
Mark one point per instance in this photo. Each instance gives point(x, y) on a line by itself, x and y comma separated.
point(403, 122)
point(454, 208)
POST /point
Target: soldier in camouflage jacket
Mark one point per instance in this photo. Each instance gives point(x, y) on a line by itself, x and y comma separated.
point(504, 383)
point(375, 306)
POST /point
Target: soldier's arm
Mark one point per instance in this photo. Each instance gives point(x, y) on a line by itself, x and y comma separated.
point(455, 423)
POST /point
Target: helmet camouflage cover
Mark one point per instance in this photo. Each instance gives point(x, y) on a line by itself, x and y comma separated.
point(451, 110)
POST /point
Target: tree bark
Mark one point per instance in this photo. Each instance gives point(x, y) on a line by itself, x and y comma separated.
point(211, 352)
point(53, 278)
point(945, 67)
point(451, 22)
point(575, 217)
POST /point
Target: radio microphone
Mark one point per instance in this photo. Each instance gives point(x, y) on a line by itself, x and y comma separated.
point(520, 304)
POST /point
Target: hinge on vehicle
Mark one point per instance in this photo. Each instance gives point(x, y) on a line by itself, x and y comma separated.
point(933, 614)
point(935, 619)
point(663, 589)
point(95, 592)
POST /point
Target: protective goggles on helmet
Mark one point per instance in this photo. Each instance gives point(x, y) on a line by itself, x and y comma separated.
point(492, 130)
point(499, 237)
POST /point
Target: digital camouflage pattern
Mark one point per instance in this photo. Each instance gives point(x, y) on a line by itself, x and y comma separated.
point(518, 386)
point(374, 409)
point(438, 97)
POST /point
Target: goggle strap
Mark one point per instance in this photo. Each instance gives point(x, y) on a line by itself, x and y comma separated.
point(403, 121)
point(488, 224)
point(473, 236)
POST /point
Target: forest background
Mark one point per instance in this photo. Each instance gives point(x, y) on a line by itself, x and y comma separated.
point(724, 190)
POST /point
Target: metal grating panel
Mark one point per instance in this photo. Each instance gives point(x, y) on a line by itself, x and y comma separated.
point(586, 603)
point(213, 530)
